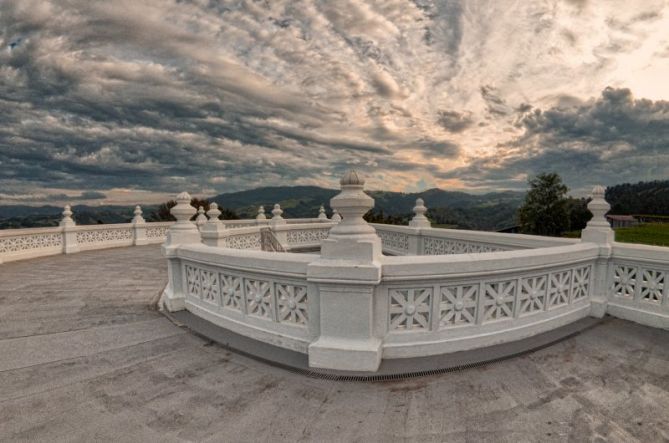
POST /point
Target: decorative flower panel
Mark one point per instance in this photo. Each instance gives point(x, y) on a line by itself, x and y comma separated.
point(211, 292)
point(193, 281)
point(232, 293)
point(410, 308)
point(558, 288)
point(458, 305)
point(580, 283)
point(652, 285)
point(498, 300)
point(532, 295)
point(624, 281)
point(259, 298)
point(292, 303)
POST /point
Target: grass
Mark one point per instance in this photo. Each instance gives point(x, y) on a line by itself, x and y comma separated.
point(648, 234)
point(655, 234)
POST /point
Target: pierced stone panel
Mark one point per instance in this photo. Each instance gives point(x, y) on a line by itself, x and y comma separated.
point(558, 288)
point(410, 309)
point(292, 304)
point(440, 246)
point(498, 300)
point(309, 236)
point(232, 293)
point(458, 305)
point(259, 298)
point(532, 295)
point(104, 235)
point(397, 241)
point(193, 281)
point(244, 241)
point(652, 285)
point(211, 291)
point(32, 241)
point(580, 283)
point(156, 232)
point(624, 281)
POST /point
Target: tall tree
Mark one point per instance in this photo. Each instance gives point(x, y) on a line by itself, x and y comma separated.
point(544, 211)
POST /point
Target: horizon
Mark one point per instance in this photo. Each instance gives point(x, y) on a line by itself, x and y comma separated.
point(131, 203)
point(114, 104)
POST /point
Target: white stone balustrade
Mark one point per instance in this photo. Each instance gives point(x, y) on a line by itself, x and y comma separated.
point(434, 291)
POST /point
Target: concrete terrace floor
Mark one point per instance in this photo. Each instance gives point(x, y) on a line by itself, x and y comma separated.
point(83, 357)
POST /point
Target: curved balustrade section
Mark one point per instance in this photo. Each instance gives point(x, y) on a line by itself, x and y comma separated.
point(17, 244)
point(405, 240)
point(422, 305)
point(638, 284)
point(435, 305)
point(252, 293)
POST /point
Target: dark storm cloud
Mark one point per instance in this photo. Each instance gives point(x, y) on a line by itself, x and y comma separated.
point(611, 139)
point(454, 121)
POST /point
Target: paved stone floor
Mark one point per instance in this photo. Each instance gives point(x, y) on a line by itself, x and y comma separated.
point(84, 358)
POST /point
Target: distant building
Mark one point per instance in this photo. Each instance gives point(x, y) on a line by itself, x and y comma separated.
point(622, 221)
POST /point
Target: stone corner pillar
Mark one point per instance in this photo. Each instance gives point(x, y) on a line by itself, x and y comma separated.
point(213, 232)
point(70, 244)
point(598, 231)
point(139, 228)
point(182, 232)
point(347, 274)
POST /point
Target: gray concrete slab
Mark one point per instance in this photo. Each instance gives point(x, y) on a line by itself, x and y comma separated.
point(86, 359)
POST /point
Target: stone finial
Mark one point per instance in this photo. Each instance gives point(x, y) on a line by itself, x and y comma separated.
point(352, 238)
point(201, 218)
point(261, 213)
point(335, 216)
point(276, 212)
point(599, 207)
point(419, 220)
point(321, 213)
point(138, 215)
point(67, 219)
point(352, 203)
point(214, 213)
point(183, 211)
point(598, 229)
point(277, 219)
point(351, 178)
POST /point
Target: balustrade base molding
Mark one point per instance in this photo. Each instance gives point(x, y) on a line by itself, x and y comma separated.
point(639, 315)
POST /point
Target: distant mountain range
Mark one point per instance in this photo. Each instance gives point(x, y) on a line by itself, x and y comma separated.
point(491, 211)
point(494, 210)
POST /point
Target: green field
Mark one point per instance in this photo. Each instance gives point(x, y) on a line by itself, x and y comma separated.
point(648, 234)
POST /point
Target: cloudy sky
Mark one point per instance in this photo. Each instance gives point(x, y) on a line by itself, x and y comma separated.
point(131, 101)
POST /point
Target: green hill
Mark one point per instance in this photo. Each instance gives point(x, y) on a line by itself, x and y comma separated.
point(489, 211)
